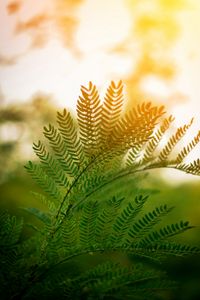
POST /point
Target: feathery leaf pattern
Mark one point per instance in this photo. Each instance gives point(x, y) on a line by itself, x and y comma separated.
point(84, 170)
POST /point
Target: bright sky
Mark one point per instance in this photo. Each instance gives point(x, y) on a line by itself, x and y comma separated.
point(55, 69)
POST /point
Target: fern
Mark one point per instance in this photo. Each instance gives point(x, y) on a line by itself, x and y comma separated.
point(174, 140)
point(88, 171)
point(111, 111)
point(88, 112)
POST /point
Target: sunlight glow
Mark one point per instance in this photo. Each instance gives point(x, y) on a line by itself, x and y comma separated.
point(33, 58)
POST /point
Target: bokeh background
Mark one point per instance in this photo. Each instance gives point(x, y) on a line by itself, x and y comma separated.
point(48, 48)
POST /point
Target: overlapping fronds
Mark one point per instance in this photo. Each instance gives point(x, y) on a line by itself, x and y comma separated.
point(136, 126)
point(157, 136)
point(62, 150)
point(90, 154)
point(44, 181)
point(51, 165)
point(109, 279)
point(87, 223)
point(88, 172)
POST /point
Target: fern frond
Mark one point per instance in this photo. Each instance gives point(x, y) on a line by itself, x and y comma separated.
point(105, 220)
point(164, 233)
point(89, 113)
point(175, 249)
point(10, 230)
point(87, 224)
point(136, 126)
point(133, 154)
point(109, 279)
point(192, 168)
point(69, 132)
point(111, 110)
point(70, 234)
point(155, 140)
point(61, 150)
point(124, 220)
point(174, 139)
point(51, 165)
point(44, 181)
point(145, 224)
point(186, 150)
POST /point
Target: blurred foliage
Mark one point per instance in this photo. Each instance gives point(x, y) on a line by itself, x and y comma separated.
point(19, 125)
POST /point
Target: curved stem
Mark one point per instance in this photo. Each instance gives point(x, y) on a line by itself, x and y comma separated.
point(121, 175)
point(75, 182)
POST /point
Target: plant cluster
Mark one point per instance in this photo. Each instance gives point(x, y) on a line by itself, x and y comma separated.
point(89, 169)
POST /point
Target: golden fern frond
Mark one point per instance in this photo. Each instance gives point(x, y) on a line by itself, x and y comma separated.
point(136, 126)
point(133, 155)
point(89, 116)
point(192, 168)
point(174, 139)
point(154, 142)
point(69, 132)
point(186, 150)
point(60, 148)
point(111, 110)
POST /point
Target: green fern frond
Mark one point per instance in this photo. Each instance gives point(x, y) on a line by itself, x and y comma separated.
point(69, 132)
point(51, 165)
point(88, 224)
point(61, 150)
point(10, 230)
point(124, 220)
point(70, 234)
point(109, 279)
point(164, 233)
point(105, 220)
point(44, 181)
point(175, 249)
point(145, 224)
